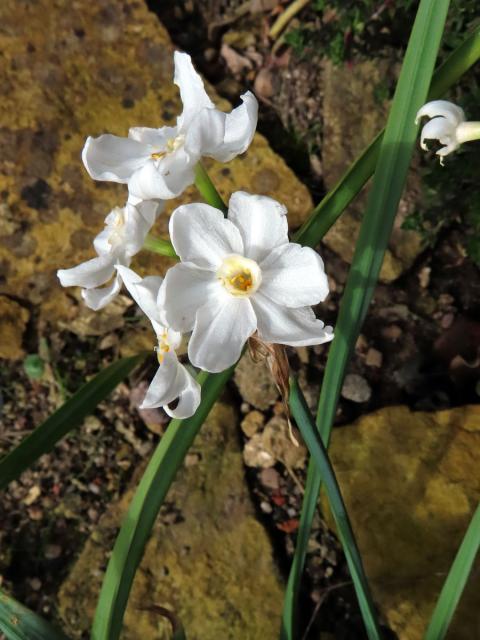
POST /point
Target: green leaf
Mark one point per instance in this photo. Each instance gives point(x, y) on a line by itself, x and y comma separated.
point(455, 582)
point(393, 162)
point(19, 623)
point(137, 525)
point(351, 183)
point(319, 455)
point(67, 417)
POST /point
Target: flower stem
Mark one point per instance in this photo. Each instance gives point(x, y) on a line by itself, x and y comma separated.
point(468, 131)
point(159, 245)
point(207, 188)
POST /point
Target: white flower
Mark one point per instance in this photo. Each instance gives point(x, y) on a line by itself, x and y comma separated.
point(447, 125)
point(160, 163)
point(240, 275)
point(172, 381)
point(125, 231)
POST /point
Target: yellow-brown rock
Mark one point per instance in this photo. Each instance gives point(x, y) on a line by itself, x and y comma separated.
point(411, 483)
point(13, 320)
point(73, 69)
point(209, 560)
point(353, 114)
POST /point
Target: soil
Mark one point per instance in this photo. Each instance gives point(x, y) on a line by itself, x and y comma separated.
point(417, 347)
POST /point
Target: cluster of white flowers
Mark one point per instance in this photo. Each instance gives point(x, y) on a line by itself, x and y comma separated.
point(238, 276)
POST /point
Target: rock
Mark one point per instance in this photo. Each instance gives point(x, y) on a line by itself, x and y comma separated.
point(212, 564)
point(273, 445)
point(411, 484)
point(255, 382)
point(374, 358)
point(253, 422)
point(270, 478)
point(96, 69)
point(352, 116)
point(13, 321)
point(356, 388)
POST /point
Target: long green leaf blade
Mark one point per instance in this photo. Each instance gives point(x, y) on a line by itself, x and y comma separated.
point(351, 183)
point(456, 580)
point(137, 525)
point(19, 623)
point(67, 417)
point(393, 162)
point(319, 455)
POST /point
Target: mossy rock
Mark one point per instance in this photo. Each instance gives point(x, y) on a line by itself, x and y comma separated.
point(411, 485)
point(209, 560)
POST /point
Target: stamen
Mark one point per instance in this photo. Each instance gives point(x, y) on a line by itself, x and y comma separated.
point(239, 275)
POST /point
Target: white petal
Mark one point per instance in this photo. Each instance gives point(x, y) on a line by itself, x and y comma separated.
point(113, 158)
point(294, 276)
point(165, 178)
point(262, 223)
point(185, 289)
point(143, 290)
point(240, 125)
point(156, 138)
point(149, 209)
point(89, 274)
point(192, 90)
point(136, 230)
point(221, 329)
point(200, 234)
point(295, 327)
point(98, 298)
point(448, 110)
point(438, 129)
point(166, 385)
point(206, 133)
point(188, 399)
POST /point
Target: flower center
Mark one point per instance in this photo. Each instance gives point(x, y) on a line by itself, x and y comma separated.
point(240, 276)
point(172, 145)
point(163, 346)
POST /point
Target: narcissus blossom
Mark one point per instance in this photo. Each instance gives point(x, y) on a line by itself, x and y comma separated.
point(447, 125)
point(239, 276)
point(172, 381)
point(125, 231)
point(160, 163)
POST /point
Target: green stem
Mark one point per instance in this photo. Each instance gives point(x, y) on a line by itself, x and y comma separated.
point(207, 189)
point(161, 246)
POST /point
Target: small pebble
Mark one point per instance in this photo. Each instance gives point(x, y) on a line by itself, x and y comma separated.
point(373, 358)
point(356, 388)
point(270, 478)
point(266, 507)
point(392, 332)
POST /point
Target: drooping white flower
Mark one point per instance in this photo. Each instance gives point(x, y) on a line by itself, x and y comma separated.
point(172, 381)
point(160, 163)
point(125, 231)
point(240, 275)
point(447, 125)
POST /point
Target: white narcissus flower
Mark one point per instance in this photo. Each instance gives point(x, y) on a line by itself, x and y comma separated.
point(172, 381)
point(447, 125)
point(238, 276)
point(160, 163)
point(124, 235)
